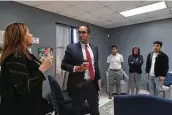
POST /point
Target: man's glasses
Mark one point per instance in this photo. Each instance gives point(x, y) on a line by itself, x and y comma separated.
point(82, 32)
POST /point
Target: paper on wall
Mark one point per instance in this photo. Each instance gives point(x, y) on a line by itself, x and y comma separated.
point(1, 36)
point(35, 40)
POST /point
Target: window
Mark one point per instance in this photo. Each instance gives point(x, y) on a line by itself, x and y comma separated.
point(64, 35)
point(75, 37)
point(63, 38)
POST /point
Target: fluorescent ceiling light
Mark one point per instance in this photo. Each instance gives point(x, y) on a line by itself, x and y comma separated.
point(144, 9)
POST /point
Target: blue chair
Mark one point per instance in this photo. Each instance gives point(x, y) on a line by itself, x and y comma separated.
point(141, 105)
point(61, 101)
point(168, 80)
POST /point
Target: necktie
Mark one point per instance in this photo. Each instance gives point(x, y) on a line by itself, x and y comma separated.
point(91, 71)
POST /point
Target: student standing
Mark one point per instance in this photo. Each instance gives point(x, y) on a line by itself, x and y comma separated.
point(135, 62)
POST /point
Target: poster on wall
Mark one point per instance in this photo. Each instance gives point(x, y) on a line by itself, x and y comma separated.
point(1, 36)
point(35, 40)
point(44, 52)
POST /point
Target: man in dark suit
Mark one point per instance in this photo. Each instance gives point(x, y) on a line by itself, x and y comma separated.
point(81, 61)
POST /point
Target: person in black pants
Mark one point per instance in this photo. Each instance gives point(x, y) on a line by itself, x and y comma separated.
point(135, 62)
point(21, 74)
point(81, 61)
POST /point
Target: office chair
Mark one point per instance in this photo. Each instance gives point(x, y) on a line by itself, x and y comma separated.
point(63, 106)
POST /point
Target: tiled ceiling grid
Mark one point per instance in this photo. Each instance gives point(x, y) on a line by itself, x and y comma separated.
point(102, 13)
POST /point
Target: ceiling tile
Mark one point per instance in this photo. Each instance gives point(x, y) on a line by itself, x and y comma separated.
point(115, 22)
point(104, 25)
point(122, 22)
point(141, 3)
point(72, 11)
point(54, 6)
point(110, 26)
point(158, 12)
point(89, 6)
point(112, 17)
point(113, 26)
point(102, 12)
point(129, 23)
point(95, 22)
point(108, 22)
point(123, 6)
point(92, 20)
point(160, 17)
point(139, 18)
point(86, 16)
point(31, 3)
point(169, 4)
point(72, 2)
point(118, 17)
point(134, 3)
point(142, 21)
point(170, 10)
point(67, 15)
point(144, 3)
point(107, 3)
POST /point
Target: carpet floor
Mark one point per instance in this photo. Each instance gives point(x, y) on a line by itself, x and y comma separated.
point(107, 109)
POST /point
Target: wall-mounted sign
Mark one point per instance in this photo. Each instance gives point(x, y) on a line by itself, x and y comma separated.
point(1, 36)
point(35, 40)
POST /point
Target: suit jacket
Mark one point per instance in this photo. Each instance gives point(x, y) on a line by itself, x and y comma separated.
point(74, 57)
point(161, 64)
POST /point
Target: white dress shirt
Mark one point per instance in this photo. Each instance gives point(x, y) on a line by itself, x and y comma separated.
point(87, 74)
point(115, 61)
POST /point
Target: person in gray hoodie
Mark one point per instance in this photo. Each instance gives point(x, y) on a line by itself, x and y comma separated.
point(135, 62)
